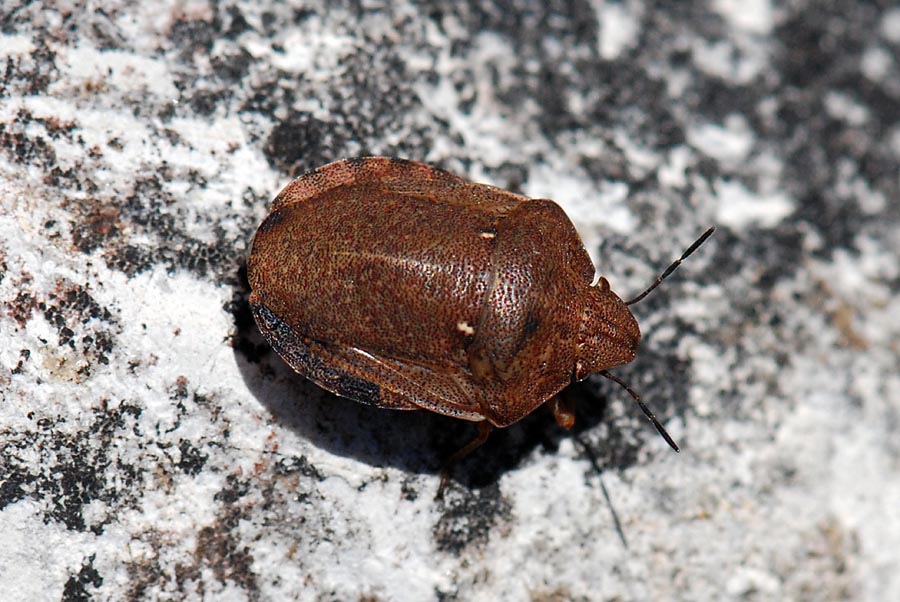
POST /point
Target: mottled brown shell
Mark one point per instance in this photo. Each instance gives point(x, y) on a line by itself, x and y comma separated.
point(400, 285)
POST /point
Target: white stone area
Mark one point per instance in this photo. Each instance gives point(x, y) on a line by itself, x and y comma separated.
point(152, 447)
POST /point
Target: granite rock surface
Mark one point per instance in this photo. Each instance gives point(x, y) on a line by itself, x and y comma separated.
point(153, 448)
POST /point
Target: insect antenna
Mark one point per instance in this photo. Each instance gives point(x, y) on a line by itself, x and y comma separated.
point(659, 427)
point(672, 268)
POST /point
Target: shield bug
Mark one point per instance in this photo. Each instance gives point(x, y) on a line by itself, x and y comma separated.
point(400, 285)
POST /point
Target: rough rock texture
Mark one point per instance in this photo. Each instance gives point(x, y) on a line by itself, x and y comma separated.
point(152, 448)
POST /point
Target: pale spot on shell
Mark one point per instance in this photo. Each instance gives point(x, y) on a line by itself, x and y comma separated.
point(488, 235)
point(464, 328)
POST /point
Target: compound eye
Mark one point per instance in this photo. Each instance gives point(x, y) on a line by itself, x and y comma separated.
point(603, 284)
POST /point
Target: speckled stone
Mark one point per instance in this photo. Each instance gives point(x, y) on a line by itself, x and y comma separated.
point(153, 448)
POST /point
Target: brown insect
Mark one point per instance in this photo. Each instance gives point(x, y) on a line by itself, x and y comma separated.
point(400, 285)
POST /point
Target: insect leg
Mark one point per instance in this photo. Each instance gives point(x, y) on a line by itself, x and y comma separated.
point(563, 408)
point(484, 430)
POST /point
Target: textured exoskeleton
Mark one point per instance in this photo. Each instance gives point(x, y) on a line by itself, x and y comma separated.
point(400, 285)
